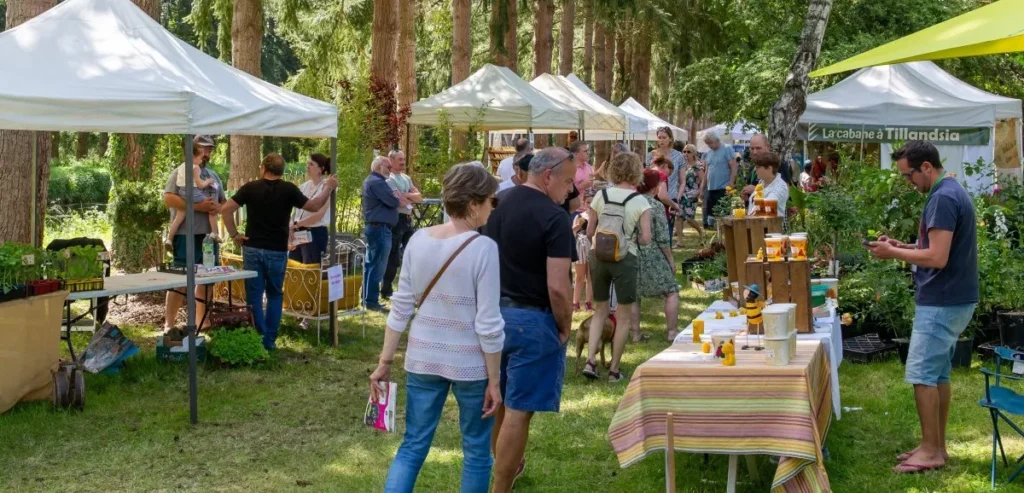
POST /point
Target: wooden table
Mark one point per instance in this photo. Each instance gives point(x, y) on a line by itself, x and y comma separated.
point(748, 409)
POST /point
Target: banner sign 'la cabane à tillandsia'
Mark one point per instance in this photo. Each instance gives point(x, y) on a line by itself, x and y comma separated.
point(837, 132)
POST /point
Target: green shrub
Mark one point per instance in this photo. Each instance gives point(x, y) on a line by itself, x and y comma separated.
point(238, 347)
point(79, 183)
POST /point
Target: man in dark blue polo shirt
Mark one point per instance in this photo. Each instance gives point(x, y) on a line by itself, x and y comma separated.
point(945, 265)
point(380, 212)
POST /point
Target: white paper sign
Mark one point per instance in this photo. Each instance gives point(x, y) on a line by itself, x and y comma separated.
point(335, 283)
point(1018, 367)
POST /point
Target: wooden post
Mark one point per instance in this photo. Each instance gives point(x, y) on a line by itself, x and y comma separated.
point(730, 254)
point(670, 455)
point(800, 287)
point(780, 281)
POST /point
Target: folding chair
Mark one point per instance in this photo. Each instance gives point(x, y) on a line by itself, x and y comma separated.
point(1000, 400)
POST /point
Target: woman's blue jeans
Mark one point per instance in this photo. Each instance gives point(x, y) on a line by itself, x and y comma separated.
point(269, 267)
point(425, 397)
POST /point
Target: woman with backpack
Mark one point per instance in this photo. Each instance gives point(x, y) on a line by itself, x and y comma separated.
point(623, 223)
point(657, 267)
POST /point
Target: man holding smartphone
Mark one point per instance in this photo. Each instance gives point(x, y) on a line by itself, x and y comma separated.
point(945, 265)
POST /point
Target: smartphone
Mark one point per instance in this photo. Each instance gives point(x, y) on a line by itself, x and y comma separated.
point(865, 241)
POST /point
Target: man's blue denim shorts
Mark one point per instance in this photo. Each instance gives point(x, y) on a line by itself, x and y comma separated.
point(936, 330)
point(532, 362)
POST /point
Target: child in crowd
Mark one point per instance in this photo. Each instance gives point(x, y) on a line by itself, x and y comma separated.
point(202, 190)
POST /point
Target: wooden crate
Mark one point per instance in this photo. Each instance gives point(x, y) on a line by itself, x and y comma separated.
point(790, 282)
point(743, 238)
point(496, 154)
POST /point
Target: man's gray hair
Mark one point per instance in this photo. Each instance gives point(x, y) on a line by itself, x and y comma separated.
point(377, 162)
point(523, 145)
point(621, 147)
point(548, 158)
point(394, 153)
point(712, 136)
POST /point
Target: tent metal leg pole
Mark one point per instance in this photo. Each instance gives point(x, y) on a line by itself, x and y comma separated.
point(333, 225)
point(35, 188)
point(190, 285)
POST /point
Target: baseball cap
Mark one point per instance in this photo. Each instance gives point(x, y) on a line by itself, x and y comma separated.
point(203, 141)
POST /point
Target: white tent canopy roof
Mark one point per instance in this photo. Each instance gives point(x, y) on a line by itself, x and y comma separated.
point(915, 93)
point(632, 107)
point(495, 98)
point(634, 124)
point(106, 66)
point(593, 115)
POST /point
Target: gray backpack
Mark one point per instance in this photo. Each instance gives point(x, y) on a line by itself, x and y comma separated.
point(611, 241)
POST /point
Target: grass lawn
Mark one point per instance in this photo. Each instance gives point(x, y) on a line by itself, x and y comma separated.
point(295, 424)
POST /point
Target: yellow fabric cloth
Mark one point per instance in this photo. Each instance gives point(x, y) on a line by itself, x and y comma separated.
point(992, 29)
point(29, 347)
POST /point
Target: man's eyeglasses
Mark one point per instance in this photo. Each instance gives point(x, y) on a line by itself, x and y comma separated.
point(907, 176)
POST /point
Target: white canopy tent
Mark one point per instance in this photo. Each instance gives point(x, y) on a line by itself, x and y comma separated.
point(635, 125)
point(106, 66)
point(739, 133)
point(632, 107)
point(889, 103)
point(495, 98)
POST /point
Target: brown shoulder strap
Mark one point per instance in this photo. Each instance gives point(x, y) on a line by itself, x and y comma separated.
point(444, 267)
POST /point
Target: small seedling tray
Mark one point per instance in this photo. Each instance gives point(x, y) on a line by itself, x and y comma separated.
point(80, 285)
point(867, 348)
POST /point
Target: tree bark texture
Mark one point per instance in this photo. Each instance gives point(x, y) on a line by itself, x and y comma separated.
point(384, 42)
point(461, 50)
point(609, 62)
point(407, 70)
point(588, 42)
point(133, 153)
point(640, 86)
point(602, 149)
point(16, 200)
point(623, 61)
point(54, 146)
point(512, 36)
point(793, 101)
point(246, 50)
point(82, 145)
point(543, 42)
point(503, 33)
point(566, 37)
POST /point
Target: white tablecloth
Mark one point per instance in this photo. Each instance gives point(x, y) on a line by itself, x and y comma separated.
point(826, 330)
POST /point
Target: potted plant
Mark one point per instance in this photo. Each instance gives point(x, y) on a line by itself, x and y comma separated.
point(10, 268)
point(237, 347)
point(710, 275)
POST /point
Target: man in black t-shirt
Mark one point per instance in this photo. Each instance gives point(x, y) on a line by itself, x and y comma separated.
point(268, 202)
point(534, 244)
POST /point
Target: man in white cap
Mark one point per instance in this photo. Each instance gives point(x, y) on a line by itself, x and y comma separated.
point(202, 148)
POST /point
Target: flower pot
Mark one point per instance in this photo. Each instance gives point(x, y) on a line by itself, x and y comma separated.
point(903, 348)
point(16, 293)
point(963, 352)
point(1011, 329)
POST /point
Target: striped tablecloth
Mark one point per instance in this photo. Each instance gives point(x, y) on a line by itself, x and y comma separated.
point(747, 409)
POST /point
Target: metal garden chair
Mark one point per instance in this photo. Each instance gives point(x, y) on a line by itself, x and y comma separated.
point(1000, 401)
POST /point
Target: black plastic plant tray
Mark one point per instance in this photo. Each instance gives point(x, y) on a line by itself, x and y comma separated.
point(866, 348)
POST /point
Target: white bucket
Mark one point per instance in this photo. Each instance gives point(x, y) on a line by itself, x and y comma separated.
point(790, 315)
point(776, 321)
point(792, 344)
point(776, 350)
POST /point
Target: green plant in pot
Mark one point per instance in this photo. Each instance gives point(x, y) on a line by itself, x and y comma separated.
point(237, 347)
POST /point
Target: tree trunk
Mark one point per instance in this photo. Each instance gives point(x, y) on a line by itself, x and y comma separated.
point(640, 85)
point(791, 104)
point(17, 200)
point(132, 157)
point(623, 62)
point(502, 31)
point(602, 149)
point(566, 35)
point(82, 145)
point(512, 36)
point(101, 148)
point(588, 41)
point(543, 42)
point(407, 71)
point(383, 41)
point(54, 146)
point(246, 49)
point(609, 62)
point(461, 50)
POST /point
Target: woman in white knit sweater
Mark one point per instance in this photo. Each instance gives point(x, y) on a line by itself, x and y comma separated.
point(455, 336)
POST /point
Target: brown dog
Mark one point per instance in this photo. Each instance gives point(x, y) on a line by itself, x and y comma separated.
point(583, 338)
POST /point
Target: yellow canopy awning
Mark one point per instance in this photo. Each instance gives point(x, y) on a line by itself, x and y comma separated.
point(992, 29)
